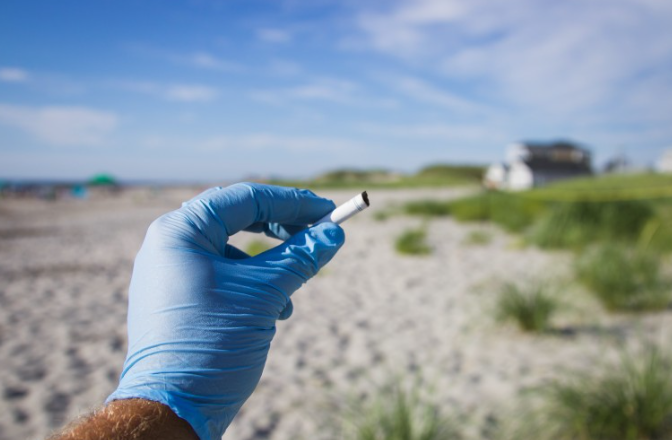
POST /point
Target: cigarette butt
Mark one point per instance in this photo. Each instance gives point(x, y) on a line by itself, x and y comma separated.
point(348, 209)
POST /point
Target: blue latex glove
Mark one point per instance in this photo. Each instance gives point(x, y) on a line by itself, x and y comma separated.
point(202, 313)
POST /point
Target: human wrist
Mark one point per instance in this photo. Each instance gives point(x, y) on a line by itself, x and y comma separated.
point(130, 419)
point(200, 421)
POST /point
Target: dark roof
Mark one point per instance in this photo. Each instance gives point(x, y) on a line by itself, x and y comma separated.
point(551, 166)
point(563, 145)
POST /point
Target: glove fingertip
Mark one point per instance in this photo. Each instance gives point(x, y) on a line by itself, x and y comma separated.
point(329, 233)
point(287, 311)
point(330, 237)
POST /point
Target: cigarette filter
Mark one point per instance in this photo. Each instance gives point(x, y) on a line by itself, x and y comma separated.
point(348, 209)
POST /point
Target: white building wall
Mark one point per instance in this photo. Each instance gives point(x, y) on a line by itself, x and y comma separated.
point(665, 162)
point(495, 177)
point(520, 177)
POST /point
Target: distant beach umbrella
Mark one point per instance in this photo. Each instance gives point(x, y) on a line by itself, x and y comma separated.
point(102, 180)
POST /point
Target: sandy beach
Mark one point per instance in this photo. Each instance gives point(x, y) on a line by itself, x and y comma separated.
point(370, 316)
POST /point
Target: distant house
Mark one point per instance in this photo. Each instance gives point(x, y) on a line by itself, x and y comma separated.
point(531, 164)
point(665, 162)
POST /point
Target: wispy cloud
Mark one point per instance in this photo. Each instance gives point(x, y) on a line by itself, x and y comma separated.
point(199, 59)
point(426, 92)
point(332, 90)
point(276, 142)
point(556, 57)
point(205, 60)
point(172, 92)
point(453, 133)
point(275, 36)
point(326, 89)
point(13, 74)
point(284, 68)
point(61, 125)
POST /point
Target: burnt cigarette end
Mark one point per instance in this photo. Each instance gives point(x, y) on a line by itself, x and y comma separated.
point(365, 196)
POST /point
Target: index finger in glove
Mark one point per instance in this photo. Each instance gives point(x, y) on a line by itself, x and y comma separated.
point(242, 205)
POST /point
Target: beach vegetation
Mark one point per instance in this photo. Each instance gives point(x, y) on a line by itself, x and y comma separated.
point(399, 414)
point(413, 242)
point(437, 175)
point(510, 211)
point(628, 401)
point(625, 279)
point(428, 208)
point(531, 307)
point(573, 214)
point(574, 224)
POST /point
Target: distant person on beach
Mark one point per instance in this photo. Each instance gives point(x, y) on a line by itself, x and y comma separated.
point(202, 313)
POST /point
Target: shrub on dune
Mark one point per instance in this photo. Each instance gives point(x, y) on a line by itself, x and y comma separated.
point(631, 401)
point(398, 414)
point(413, 242)
point(531, 309)
point(574, 224)
point(624, 279)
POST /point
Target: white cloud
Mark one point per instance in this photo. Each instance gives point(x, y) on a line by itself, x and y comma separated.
point(198, 59)
point(190, 93)
point(265, 141)
point(13, 74)
point(332, 90)
point(276, 36)
point(326, 89)
point(61, 125)
point(559, 58)
point(206, 60)
point(172, 92)
point(426, 92)
point(284, 68)
point(449, 133)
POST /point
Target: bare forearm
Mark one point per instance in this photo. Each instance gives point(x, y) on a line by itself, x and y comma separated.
point(132, 419)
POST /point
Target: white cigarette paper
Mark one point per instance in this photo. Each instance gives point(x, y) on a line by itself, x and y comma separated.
point(348, 209)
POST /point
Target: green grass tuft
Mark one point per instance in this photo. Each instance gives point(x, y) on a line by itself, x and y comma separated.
point(429, 208)
point(572, 225)
point(631, 401)
point(531, 309)
point(576, 213)
point(397, 414)
point(510, 211)
point(432, 176)
point(624, 279)
point(413, 242)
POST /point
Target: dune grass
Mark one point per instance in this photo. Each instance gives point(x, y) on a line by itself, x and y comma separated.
point(574, 224)
point(399, 414)
point(255, 247)
point(427, 208)
point(438, 175)
point(510, 211)
point(531, 308)
point(625, 279)
point(629, 401)
point(572, 214)
point(413, 242)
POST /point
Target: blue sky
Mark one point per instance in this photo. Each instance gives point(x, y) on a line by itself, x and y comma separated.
point(212, 90)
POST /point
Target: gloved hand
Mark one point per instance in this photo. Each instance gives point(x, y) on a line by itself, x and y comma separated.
point(202, 313)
